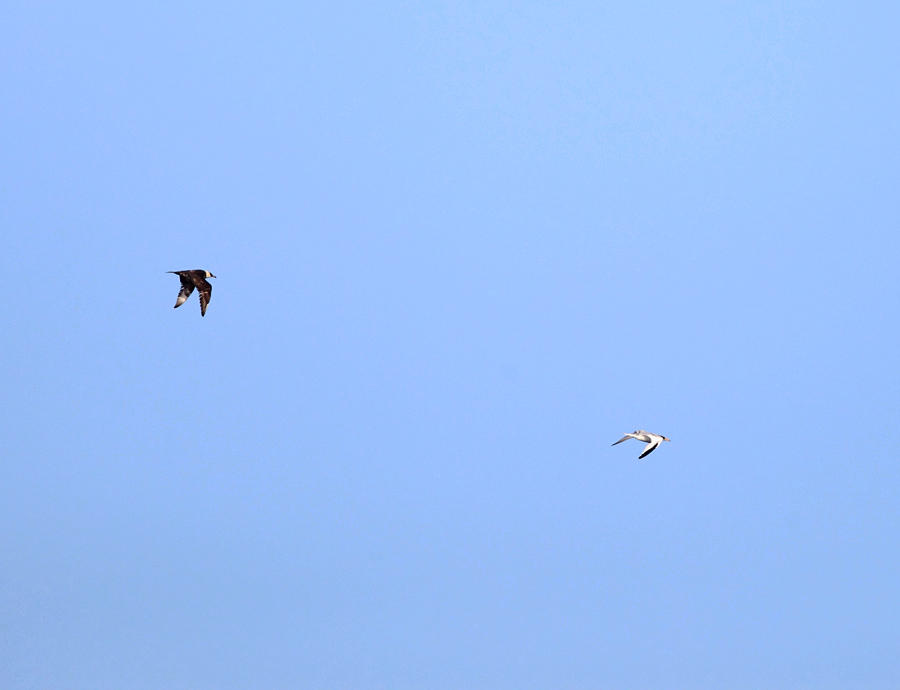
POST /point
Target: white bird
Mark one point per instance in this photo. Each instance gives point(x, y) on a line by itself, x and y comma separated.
point(652, 439)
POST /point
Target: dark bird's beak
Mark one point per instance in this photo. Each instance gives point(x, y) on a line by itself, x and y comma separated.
point(211, 275)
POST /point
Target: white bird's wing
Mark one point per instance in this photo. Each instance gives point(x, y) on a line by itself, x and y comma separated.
point(649, 449)
point(624, 438)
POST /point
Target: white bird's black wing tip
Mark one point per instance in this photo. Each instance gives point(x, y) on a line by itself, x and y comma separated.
point(649, 450)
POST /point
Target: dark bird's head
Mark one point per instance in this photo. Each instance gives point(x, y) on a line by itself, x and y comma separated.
point(209, 275)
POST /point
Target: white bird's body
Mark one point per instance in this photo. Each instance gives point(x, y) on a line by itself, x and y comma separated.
point(652, 441)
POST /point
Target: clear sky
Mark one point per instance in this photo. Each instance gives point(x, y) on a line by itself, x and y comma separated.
point(462, 247)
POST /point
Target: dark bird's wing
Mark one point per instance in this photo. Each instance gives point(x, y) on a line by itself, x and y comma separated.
point(205, 291)
point(650, 448)
point(187, 287)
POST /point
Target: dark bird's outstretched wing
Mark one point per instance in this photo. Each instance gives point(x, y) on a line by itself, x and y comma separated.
point(205, 291)
point(187, 287)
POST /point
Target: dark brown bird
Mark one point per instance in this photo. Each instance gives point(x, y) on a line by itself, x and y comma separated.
point(189, 281)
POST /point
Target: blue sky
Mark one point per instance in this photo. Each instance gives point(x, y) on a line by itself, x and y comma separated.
point(462, 247)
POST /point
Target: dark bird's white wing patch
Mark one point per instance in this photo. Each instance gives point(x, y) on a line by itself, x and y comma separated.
point(186, 289)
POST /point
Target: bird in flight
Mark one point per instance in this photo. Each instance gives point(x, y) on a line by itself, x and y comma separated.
point(191, 280)
point(653, 440)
